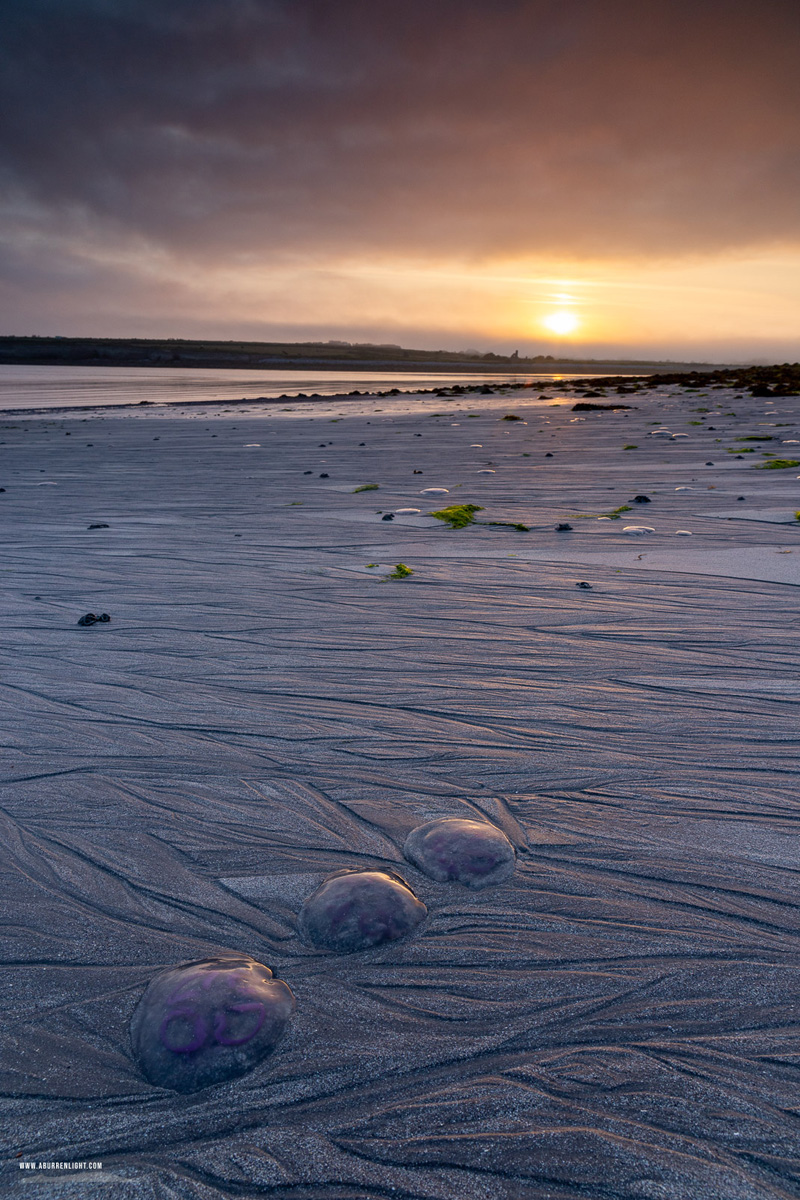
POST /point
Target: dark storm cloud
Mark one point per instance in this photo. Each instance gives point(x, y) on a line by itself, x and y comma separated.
point(259, 128)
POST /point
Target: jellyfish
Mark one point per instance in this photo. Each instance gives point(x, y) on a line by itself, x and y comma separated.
point(353, 910)
point(208, 1021)
point(474, 853)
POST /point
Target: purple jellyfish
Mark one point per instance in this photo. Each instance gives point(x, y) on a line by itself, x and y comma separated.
point(353, 910)
point(208, 1021)
point(474, 853)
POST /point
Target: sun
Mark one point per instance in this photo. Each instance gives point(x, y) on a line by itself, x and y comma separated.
point(561, 322)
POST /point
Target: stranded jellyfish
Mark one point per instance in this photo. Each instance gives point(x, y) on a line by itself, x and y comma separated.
point(472, 852)
point(208, 1021)
point(353, 910)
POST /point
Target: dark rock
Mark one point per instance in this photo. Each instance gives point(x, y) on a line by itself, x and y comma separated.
point(563, 527)
point(100, 525)
point(740, 497)
point(709, 464)
point(388, 517)
point(324, 475)
point(416, 472)
point(304, 472)
point(89, 619)
point(548, 454)
point(583, 584)
point(362, 443)
point(641, 499)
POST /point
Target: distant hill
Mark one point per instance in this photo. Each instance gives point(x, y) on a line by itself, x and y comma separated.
point(177, 352)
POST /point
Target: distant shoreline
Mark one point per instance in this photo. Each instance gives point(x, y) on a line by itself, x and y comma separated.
point(178, 354)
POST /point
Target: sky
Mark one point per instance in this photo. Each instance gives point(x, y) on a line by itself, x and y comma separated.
point(581, 177)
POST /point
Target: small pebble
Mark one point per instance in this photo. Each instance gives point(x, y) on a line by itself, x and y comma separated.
point(583, 584)
point(563, 527)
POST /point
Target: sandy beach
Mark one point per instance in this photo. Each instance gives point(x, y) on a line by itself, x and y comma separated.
point(268, 705)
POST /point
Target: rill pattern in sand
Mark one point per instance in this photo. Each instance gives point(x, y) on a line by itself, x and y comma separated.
point(262, 712)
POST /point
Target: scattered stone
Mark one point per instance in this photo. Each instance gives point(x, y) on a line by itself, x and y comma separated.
point(583, 584)
point(683, 532)
point(208, 1021)
point(474, 853)
point(304, 472)
point(324, 475)
point(641, 500)
point(434, 491)
point(740, 497)
point(563, 527)
point(100, 525)
point(709, 464)
point(594, 407)
point(93, 619)
point(388, 517)
point(406, 512)
point(354, 910)
point(416, 472)
point(638, 530)
point(486, 471)
point(549, 454)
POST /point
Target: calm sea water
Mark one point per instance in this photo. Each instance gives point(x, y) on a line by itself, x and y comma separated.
point(77, 387)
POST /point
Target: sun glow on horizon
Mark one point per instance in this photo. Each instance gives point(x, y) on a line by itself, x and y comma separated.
point(562, 323)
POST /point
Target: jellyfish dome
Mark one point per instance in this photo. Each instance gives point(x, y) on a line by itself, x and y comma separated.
point(208, 1021)
point(353, 910)
point(474, 853)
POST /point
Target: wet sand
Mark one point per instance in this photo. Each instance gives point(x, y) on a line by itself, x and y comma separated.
point(619, 1019)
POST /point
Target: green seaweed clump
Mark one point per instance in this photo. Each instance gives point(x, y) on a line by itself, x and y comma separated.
point(616, 513)
point(367, 487)
point(630, 446)
point(400, 571)
point(778, 464)
point(755, 437)
point(797, 516)
point(511, 524)
point(458, 515)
